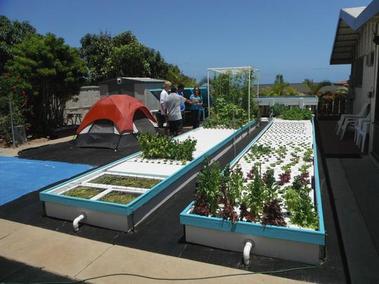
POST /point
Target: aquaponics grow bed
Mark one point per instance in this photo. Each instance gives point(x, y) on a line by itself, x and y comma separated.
point(290, 143)
point(133, 187)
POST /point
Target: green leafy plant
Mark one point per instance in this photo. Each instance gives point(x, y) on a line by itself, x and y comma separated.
point(296, 113)
point(304, 168)
point(308, 155)
point(119, 197)
point(278, 109)
point(83, 192)
point(207, 194)
point(259, 151)
point(226, 115)
point(272, 214)
point(270, 184)
point(230, 102)
point(163, 147)
point(300, 207)
point(126, 181)
point(256, 196)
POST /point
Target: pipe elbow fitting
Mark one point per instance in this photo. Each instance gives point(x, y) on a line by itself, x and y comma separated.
point(249, 245)
point(75, 223)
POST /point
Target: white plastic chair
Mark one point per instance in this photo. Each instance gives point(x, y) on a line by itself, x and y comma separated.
point(361, 132)
point(363, 112)
point(357, 127)
point(351, 121)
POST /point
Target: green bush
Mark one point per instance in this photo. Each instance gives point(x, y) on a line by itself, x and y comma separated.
point(226, 114)
point(296, 113)
point(163, 147)
point(278, 109)
point(291, 113)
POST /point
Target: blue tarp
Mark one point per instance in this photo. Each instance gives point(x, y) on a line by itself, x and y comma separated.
point(21, 176)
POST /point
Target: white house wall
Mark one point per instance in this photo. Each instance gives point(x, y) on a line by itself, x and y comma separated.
point(81, 103)
point(366, 93)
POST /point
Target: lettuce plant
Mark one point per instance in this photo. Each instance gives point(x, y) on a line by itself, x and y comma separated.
point(207, 194)
point(272, 214)
point(256, 196)
point(301, 209)
point(163, 147)
point(308, 155)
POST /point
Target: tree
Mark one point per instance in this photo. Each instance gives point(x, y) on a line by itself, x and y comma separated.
point(11, 33)
point(123, 55)
point(279, 88)
point(315, 87)
point(176, 76)
point(124, 38)
point(97, 51)
point(50, 72)
point(131, 60)
point(11, 92)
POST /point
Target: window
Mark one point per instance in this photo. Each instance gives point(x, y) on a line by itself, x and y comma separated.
point(370, 59)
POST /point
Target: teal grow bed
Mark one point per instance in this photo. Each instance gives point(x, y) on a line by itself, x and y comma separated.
point(123, 217)
point(291, 243)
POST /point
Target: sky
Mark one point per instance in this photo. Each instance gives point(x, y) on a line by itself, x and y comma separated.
point(289, 37)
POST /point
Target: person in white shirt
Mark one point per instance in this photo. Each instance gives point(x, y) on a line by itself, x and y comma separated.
point(173, 113)
point(162, 98)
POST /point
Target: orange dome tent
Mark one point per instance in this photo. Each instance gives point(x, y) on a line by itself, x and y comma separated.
point(113, 121)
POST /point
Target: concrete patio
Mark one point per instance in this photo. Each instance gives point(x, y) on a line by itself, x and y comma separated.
point(75, 258)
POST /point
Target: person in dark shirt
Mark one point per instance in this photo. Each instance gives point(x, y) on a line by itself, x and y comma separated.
point(196, 107)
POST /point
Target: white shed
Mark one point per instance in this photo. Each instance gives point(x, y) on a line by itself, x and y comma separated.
point(134, 86)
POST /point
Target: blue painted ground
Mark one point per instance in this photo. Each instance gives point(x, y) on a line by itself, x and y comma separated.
point(21, 176)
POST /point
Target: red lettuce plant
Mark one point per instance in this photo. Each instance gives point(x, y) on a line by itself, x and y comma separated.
point(245, 214)
point(272, 214)
point(284, 177)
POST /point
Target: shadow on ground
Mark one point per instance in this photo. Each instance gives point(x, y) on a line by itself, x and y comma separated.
point(68, 152)
point(333, 146)
point(17, 272)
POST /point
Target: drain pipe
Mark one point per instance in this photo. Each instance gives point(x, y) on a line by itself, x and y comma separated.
point(75, 223)
point(249, 245)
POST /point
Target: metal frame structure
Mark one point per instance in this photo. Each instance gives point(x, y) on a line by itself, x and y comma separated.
point(228, 70)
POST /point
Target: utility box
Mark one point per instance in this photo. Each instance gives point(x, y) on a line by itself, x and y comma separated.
point(136, 87)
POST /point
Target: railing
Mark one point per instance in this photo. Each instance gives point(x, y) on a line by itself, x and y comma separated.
point(332, 107)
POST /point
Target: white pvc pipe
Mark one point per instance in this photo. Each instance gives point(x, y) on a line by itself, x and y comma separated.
point(75, 223)
point(246, 252)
